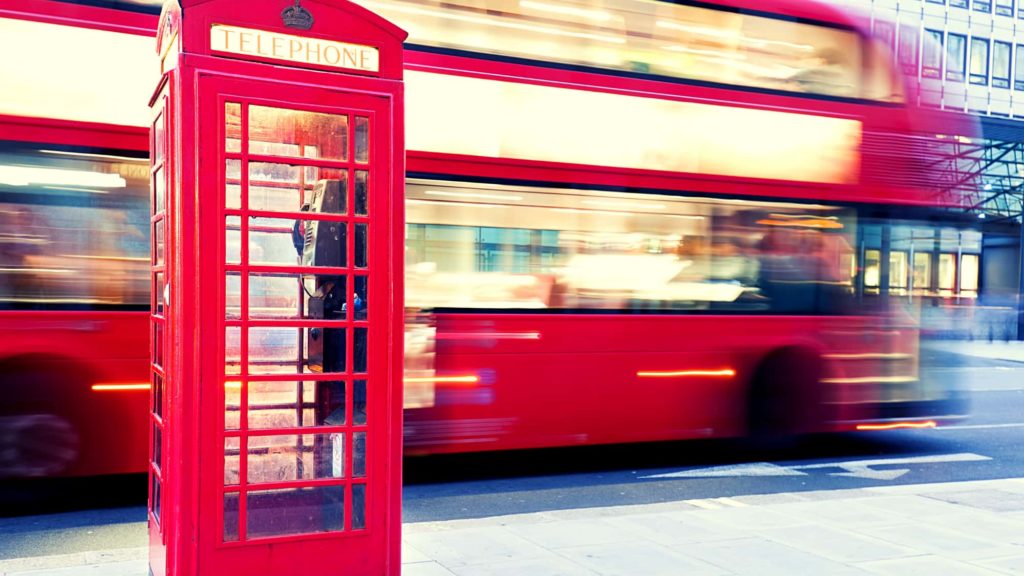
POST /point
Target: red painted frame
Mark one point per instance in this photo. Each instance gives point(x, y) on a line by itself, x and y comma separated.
point(191, 538)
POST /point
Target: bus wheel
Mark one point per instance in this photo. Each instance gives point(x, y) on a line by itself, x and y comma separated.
point(33, 445)
point(39, 432)
point(785, 397)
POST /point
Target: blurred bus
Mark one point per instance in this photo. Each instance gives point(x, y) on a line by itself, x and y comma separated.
point(627, 220)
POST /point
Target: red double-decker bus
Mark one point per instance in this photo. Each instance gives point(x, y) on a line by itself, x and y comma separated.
point(628, 220)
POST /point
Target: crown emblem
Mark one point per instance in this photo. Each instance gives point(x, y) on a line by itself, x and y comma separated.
point(297, 17)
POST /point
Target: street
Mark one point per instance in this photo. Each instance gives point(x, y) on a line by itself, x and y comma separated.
point(705, 474)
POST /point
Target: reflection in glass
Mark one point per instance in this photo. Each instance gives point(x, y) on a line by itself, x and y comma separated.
point(231, 459)
point(159, 190)
point(271, 241)
point(231, 516)
point(295, 511)
point(362, 139)
point(359, 403)
point(947, 272)
point(358, 506)
point(232, 127)
point(158, 292)
point(283, 132)
point(359, 351)
point(279, 458)
point(360, 246)
point(232, 350)
point(233, 239)
point(969, 273)
point(233, 296)
point(159, 242)
point(359, 455)
point(362, 189)
point(360, 299)
point(232, 183)
point(275, 296)
point(295, 404)
point(232, 404)
point(158, 395)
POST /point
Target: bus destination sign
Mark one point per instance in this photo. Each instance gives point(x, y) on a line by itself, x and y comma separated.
point(290, 48)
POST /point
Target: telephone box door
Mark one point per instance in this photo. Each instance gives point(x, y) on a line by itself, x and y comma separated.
point(296, 189)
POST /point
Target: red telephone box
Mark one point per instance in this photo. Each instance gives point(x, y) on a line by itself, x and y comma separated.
point(277, 173)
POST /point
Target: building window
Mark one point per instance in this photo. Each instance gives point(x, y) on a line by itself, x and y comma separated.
point(931, 54)
point(885, 32)
point(907, 57)
point(958, 3)
point(937, 1)
point(1018, 68)
point(1001, 64)
point(956, 57)
point(1004, 8)
point(979, 61)
point(982, 6)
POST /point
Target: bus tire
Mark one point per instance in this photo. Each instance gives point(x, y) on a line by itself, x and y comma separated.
point(784, 399)
point(41, 425)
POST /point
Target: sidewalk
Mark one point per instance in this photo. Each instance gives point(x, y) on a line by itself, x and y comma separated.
point(997, 350)
point(959, 528)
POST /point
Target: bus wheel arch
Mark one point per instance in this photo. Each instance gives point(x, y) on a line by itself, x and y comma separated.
point(44, 419)
point(784, 394)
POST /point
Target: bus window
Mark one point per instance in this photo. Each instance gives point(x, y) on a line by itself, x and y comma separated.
point(667, 39)
point(74, 229)
point(499, 247)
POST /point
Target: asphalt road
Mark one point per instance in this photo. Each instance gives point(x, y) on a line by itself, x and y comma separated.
point(988, 445)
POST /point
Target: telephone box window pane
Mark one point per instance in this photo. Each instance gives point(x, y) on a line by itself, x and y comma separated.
point(361, 248)
point(359, 402)
point(233, 183)
point(295, 511)
point(232, 350)
point(158, 444)
point(325, 296)
point(281, 458)
point(159, 145)
point(296, 404)
point(969, 272)
point(158, 395)
point(276, 296)
point(359, 455)
point(159, 241)
point(233, 296)
point(358, 506)
point(277, 350)
point(362, 139)
point(159, 191)
point(233, 240)
point(360, 299)
point(362, 185)
point(231, 460)
point(232, 404)
point(272, 241)
point(274, 347)
point(232, 127)
point(158, 292)
point(156, 502)
point(282, 132)
point(359, 350)
point(158, 344)
point(231, 517)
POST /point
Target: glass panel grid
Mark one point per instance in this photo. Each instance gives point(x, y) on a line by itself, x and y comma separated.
point(288, 420)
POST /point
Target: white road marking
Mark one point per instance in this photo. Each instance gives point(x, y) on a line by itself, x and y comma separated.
point(851, 468)
point(982, 426)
